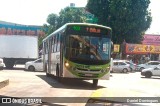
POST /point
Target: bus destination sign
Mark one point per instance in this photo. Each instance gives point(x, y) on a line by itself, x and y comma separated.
point(84, 29)
point(93, 30)
point(88, 29)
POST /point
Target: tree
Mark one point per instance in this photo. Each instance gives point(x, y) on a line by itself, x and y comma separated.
point(49, 28)
point(71, 15)
point(66, 15)
point(100, 8)
point(129, 19)
point(45, 29)
point(52, 20)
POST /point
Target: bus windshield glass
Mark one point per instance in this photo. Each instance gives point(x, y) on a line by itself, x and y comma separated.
point(88, 49)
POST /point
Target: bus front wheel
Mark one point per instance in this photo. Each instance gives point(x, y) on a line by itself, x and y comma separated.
point(95, 82)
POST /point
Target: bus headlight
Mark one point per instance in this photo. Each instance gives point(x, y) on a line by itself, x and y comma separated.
point(67, 64)
point(108, 68)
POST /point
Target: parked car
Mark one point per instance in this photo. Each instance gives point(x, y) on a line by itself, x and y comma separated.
point(120, 66)
point(1, 64)
point(151, 72)
point(36, 65)
point(132, 65)
point(150, 64)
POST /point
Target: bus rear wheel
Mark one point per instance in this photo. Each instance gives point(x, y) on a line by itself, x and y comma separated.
point(59, 78)
point(46, 70)
point(95, 82)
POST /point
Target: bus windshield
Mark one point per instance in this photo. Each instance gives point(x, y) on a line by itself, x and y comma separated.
point(88, 49)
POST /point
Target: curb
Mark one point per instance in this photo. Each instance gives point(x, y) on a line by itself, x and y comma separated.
point(4, 83)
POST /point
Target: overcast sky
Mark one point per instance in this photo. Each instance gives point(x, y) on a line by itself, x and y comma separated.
point(155, 25)
point(35, 12)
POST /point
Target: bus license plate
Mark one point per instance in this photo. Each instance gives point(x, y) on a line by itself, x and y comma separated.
point(88, 75)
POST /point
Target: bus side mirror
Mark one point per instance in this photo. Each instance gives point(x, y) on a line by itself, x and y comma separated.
point(112, 47)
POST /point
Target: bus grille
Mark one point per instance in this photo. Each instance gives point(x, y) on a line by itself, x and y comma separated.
point(80, 69)
point(85, 76)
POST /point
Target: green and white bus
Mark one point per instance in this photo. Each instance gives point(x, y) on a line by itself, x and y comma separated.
point(78, 50)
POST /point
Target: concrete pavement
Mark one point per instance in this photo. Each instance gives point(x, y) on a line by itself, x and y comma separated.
point(3, 82)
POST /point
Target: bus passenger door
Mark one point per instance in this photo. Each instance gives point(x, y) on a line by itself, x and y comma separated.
point(49, 55)
point(45, 56)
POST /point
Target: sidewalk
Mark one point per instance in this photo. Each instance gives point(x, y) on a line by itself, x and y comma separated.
point(4, 77)
point(3, 80)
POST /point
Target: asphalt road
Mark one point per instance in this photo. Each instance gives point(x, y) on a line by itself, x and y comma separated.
point(37, 84)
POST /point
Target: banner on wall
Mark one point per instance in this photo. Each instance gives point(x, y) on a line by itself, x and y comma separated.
point(116, 48)
point(142, 49)
point(14, 29)
point(151, 39)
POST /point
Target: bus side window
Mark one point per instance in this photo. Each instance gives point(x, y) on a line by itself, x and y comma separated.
point(55, 43)
point(50, 44)
point(46, 47)
point(58, 42)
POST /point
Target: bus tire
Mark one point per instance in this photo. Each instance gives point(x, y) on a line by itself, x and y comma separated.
point(45, 69)
point(59, 78)
point(47, 74)
point(95, 82)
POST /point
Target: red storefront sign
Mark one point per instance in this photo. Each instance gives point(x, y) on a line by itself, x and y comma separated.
point(142, 49)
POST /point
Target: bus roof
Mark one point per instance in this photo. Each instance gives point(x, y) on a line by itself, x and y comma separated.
point(88, 24)
point(70, 24)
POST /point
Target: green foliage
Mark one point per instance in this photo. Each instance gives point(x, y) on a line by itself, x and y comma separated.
point(66, 15)
point(40, 38)
point(129, 19)
point(100, 9)
point(52, 19)
point(71, 15)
